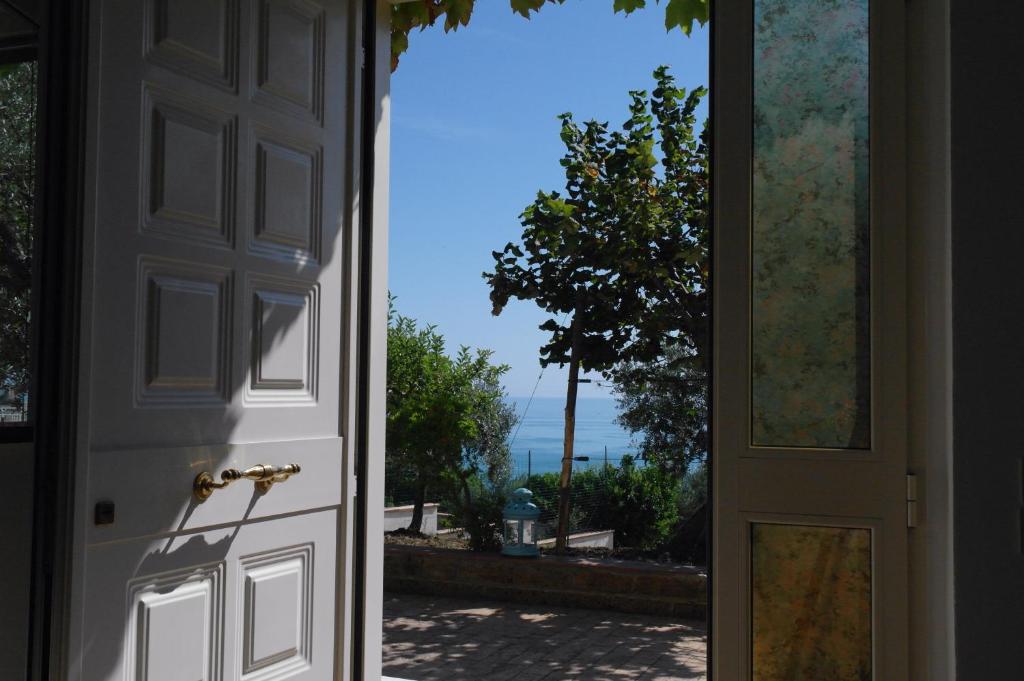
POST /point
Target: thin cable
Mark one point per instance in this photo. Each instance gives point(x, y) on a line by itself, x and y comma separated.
point(530, 401)
point(527, 408)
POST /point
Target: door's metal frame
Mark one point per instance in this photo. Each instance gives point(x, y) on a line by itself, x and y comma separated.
point(58, 258)
point(371, 304)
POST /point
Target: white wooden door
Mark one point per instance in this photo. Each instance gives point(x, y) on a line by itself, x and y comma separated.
point(810, 402)
point(215, 328)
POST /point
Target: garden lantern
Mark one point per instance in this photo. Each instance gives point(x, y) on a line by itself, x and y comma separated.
point(521, 514)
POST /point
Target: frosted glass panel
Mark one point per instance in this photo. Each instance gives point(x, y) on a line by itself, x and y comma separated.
point(811, 603)
point(810, 344)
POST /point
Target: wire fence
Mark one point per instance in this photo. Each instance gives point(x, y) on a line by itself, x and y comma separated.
point(590, 488)
point(589, 491)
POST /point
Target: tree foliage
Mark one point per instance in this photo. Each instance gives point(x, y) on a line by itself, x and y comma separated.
point(640, 503)
point(17, 192)
point(664, 402)
point(421, 14)
point(624, 249)
point(447, 416)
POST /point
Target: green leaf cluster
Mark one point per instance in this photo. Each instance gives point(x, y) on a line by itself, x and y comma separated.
point(447, 416)
point(664, 403)
point(641, 503)
point(622, 252)
point(421, 14)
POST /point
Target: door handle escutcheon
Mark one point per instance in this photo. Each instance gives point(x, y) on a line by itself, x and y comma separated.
point(264, 475)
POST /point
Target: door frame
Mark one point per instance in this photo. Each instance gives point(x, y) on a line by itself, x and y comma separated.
point(63, 65)
point(63, 48)
point(369, 304)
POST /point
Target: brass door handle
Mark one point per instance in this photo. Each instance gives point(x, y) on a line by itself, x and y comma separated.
point(264, 475)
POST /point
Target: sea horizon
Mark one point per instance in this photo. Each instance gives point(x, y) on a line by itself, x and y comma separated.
point(537, 441)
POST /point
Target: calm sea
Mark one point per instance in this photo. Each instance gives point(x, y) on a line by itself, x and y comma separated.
point(541, 432)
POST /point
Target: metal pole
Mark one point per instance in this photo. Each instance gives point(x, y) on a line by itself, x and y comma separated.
point(606, 456)
point(529, 465)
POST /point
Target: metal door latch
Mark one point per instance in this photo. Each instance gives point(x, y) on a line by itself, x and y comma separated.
point(264, 475)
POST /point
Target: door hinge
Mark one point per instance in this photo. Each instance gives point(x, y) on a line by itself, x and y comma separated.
point(911, 500)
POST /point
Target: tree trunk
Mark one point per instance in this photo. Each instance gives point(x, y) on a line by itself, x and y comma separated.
point(467, 504)
point(418, 499)
point(564, 482)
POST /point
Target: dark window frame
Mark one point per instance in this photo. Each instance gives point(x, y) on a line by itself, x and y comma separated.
point(18, 49)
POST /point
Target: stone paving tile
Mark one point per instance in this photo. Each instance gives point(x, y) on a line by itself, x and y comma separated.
point(429, 638)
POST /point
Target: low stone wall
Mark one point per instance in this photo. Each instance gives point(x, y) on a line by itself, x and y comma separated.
point(602, 539)
point(399, 517)
point(624, 586)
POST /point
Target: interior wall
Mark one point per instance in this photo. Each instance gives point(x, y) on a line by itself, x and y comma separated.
point(15, 558)
point(987, 142)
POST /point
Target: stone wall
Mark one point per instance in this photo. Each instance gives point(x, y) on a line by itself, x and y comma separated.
point(625, 586)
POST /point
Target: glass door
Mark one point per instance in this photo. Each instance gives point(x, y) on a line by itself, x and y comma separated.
point(809, 411)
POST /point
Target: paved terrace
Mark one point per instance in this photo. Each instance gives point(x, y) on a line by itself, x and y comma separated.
point(427, 637)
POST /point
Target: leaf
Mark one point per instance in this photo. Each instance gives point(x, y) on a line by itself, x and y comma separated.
point(524, 7)
point(682, 13)
point(420, 14)
point(458, 14)
point(629, 6)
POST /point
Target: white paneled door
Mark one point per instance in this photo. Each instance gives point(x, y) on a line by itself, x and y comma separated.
point(214, 340)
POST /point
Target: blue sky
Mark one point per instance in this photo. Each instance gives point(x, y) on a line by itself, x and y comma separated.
point(475, 136)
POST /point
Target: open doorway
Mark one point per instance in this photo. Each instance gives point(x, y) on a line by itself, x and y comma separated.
point(549, 332)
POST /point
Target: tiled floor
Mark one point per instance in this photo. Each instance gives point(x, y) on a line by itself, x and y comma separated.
point(429, 638)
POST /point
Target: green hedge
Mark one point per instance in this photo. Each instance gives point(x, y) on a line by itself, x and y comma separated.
point(641, 503)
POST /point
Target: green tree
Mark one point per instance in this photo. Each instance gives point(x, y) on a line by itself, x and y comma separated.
point(406, 16)
point(447, 418)
point(620, 260)
point(17, 193)
point(664, 402)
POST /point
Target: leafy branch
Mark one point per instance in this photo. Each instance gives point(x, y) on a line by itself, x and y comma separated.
point(421, 14)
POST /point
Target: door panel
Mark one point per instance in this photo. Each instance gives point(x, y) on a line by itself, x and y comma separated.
point(237, 602)
point(161, 501)
point(810, 461)
point(214, 332)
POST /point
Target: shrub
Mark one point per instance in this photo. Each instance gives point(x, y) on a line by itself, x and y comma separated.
point(481, 514)
point(643, 505)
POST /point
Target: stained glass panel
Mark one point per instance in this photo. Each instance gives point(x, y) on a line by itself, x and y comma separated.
point(810, 344)
point(811, 603)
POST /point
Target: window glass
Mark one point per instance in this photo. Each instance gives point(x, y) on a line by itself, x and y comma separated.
point(811, 603)
point(810, 345)
point(17, 191)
